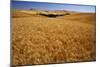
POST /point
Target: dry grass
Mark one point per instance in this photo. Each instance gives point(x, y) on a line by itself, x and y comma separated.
point(43, 40)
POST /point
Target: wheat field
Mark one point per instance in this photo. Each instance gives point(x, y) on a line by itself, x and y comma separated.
point(37, 39)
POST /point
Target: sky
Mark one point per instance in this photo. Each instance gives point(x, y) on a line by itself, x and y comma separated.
point(51, 6)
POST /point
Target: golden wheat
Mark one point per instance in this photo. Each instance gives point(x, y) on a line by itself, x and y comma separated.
point(43, 40)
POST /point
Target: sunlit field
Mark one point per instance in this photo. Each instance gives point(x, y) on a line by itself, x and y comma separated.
point(45, 37)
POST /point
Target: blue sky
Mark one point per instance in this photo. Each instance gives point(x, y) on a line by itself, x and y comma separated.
point(51, 6)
